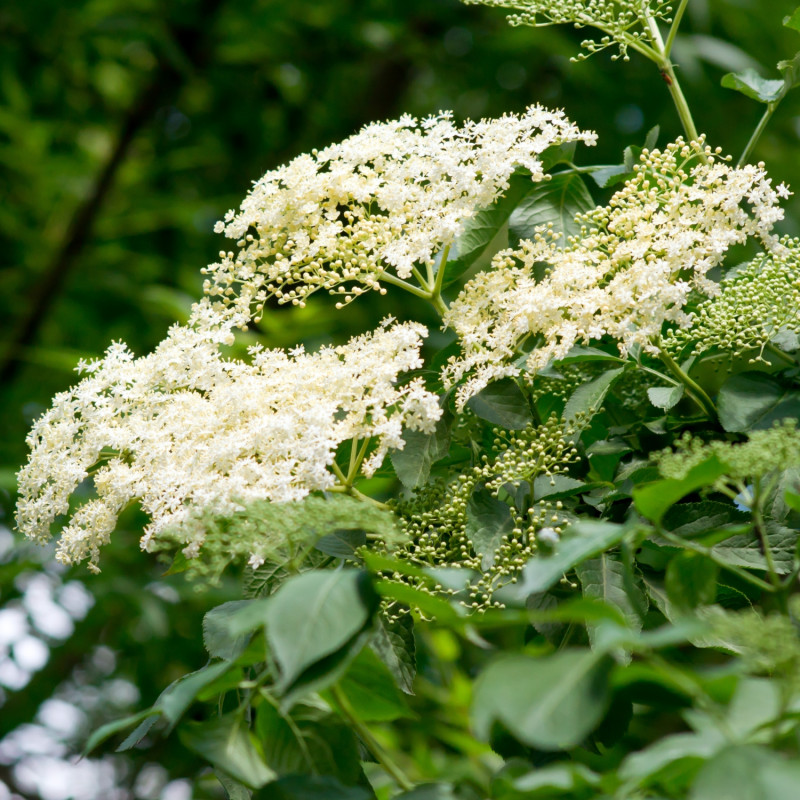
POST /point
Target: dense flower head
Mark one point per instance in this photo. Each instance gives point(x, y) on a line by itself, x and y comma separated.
point(185, 429)
point(376, 205)
point(758, 303)
point(632, 268)
point(623, 21)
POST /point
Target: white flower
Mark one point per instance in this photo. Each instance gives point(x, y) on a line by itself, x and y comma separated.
point(184, 428)
point(375, 206)
point(630, 271)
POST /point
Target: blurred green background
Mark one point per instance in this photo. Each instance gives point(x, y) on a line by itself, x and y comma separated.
point(127, 128)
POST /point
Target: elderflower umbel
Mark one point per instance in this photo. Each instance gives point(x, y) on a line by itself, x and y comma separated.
point(619, 19)
point(376, 205)
point(185, 429)
point(631, 269)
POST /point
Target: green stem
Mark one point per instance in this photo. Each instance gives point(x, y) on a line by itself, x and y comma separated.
point(381, 756)
point(693, 389)
point(762, 124)
point(673, 31)
point(436, 292)
point(667, 69)
point(409, 287)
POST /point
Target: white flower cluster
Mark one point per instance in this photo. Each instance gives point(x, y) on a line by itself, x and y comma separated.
point(375, 206)
point(631, 269)
point(619, 19)
point(184, 428)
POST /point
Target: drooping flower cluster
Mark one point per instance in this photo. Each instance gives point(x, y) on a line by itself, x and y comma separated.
point(376, 205)
point(185, 428)
point(756, 304)
point(623, 21)
point(631, 269)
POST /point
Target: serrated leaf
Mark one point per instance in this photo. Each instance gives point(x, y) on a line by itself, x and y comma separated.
point(413, 463)
point(555, 202)
point(488, 520)
point(478, 240)
point(394, 643)
point(752, 401)
point(744, 550)
point(589, 396)
point(502, 403)
point(665, 397)
point(227, 743)
point(604, 578)
point(751, 84)
point(549, 703)
point(217, 638)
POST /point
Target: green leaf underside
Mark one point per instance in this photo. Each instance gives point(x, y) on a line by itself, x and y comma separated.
point(550, 703)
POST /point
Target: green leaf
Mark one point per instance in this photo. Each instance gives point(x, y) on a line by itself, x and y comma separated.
point(311, 787)
point(589, 396)
point(752, 401)
point(394, 643)
point(581, 541)
point(555, 202)
point(604, 578)
point(430, 791)
point(227, 743)
point(502, 403)
point(547, 782)
point(744, 550)
point(315, 614)
point(217, 636)
point(791, 72)
point(557, 487)
point(108, 730)
point(413, 463)
point(342, 544)
point(308, 740)
point(233, 789)
point(751, 84)
point(581, 354)
point(793, 20)
point(747, 772)
point(483, 235)
point(665, 397)
point(549, 703)
point(691, 581)
point(558, 154)
point(675, 758)
point(180, 694)
point(371, 690)
point(488, 520)
point(653, 499)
